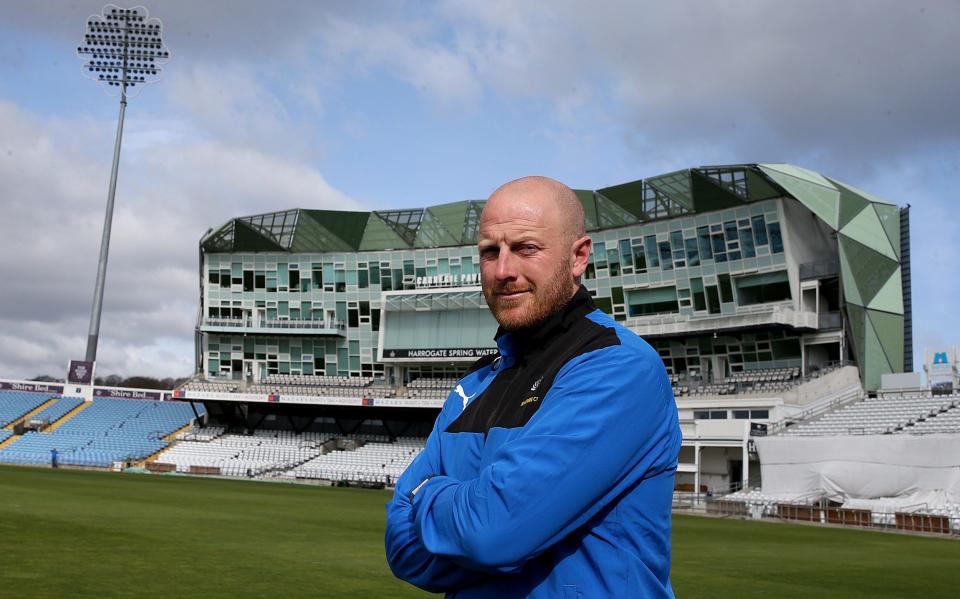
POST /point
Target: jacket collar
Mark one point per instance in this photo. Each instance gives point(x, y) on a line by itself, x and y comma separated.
point(537, 338)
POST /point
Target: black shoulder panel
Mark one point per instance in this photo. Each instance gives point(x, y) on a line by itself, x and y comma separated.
point(517, 392)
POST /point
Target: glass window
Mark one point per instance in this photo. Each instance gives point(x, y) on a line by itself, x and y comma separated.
point(676, 240)
point(741, 414)
point(726, 288)
point(703, 239)
point(644, 302)
point(759, 230)
point(746, 244)
point(650, 243)
point(600, 255)
point(625, 255)
point(693, 255)
point(760, 413)
point(713, 299)
point(718, 414)
point(776, 242)
point(639, 259)
point(701, 415)
point(699, 298)
point(730, 230)
point(719, 247)
point(666, 262)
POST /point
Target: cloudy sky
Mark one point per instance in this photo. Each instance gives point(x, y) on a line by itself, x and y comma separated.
point(376, 105)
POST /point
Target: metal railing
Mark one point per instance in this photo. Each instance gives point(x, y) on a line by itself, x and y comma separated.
point(819, 270)
point(275, 324)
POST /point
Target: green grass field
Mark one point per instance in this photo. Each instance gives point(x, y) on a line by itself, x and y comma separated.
point(66, 533)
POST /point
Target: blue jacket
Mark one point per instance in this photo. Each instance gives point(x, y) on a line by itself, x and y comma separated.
point(549, 472)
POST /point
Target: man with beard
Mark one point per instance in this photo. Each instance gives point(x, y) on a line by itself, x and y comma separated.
point(550, 470)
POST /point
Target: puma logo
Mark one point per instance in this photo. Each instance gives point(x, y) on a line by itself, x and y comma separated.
point(459, 391)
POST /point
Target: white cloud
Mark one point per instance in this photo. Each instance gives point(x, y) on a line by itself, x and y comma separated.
point(172, 188)
point(404, 50)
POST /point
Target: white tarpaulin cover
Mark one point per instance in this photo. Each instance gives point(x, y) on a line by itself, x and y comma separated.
point(861, 466)
point(890, 505)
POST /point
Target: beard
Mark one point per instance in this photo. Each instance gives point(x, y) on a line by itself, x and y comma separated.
point(534, 308)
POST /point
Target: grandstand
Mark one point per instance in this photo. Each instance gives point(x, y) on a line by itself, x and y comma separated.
point(770, 291)
point(43, 427)
point(778, 299)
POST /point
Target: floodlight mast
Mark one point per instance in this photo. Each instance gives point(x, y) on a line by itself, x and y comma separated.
point(122, 47)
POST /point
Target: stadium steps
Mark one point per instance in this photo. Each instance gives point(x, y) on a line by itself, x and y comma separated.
point(27, 416)
point(169, 439)
point(54, 426)
point(173, 436)
point(9, 441)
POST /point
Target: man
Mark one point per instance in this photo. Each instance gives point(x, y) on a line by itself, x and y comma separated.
point(550, 470)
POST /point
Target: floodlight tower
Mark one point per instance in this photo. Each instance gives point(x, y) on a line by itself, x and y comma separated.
point(122, 48)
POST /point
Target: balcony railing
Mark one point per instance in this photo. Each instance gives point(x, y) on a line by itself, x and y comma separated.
point(256, 325)
point(759, 315)
point(830, 320)
point(821, 269)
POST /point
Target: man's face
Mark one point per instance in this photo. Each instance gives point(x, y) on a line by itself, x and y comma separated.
point(525, 259)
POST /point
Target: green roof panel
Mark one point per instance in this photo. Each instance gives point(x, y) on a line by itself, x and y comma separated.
point(822, 200)
point(676, 186)
point(798, 173)
point(250, 238)
point(850, 205)
point(628, 196)
point(870, 269)
point(589, 208)
point(866, 228)
point(329, 231)
point(611, 215)
point(890, 219)
point(759, 188)
point(850, 291)
point(451, 216)
point(890, 296)
point(867, 196)
point(856, 319)
point(875, 361)
point(889, 331)
point(432, 233)
point(710, 195)
point(380, 236)
point(471, 222)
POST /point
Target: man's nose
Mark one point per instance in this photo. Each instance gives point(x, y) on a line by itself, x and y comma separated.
point(506, 265)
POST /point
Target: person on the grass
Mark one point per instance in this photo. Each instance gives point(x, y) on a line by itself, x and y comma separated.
point(550, 470)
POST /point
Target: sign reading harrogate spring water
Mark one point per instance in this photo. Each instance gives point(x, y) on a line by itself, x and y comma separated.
point(459, 352)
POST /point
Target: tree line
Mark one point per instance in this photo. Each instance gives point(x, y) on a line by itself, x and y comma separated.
point(115, 380)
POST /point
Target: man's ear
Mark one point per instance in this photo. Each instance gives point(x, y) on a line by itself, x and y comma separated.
point(580, 255)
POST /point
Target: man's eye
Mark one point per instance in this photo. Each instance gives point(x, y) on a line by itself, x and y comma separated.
point(529, 248)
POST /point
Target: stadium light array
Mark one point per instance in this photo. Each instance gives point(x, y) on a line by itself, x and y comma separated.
point(123, 49)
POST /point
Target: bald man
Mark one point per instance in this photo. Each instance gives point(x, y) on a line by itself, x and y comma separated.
point(550, 470)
